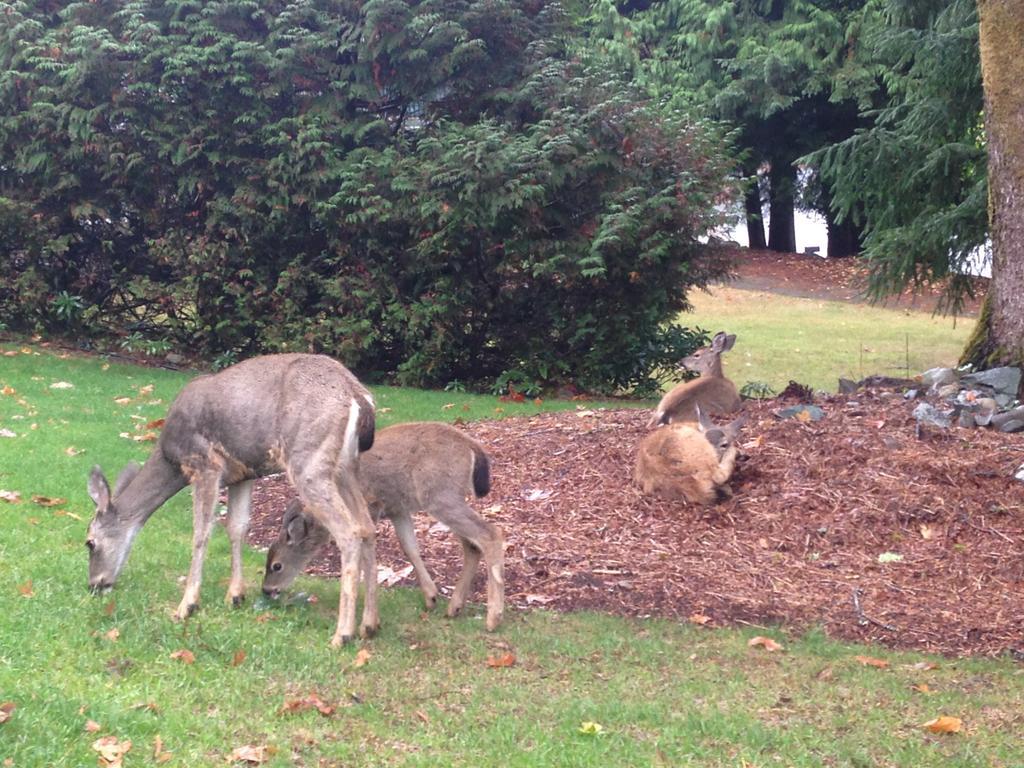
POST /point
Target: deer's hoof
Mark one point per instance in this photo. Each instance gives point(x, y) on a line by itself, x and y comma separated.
point(236, 601)
point(370, 630)
point(493, 622)
point(431, 602)
point(185, 611)
point(339, 640)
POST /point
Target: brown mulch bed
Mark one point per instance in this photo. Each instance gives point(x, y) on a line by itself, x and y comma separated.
point(815, 505)
point(807, 276)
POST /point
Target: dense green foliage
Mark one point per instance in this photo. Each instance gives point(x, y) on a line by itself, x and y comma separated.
point(917, 175)
point(442, 190)
point(785, 74)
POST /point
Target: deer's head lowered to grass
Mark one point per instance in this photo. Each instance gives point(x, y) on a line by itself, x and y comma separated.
point(305, 414)
point(429, 467)
point(711, 391)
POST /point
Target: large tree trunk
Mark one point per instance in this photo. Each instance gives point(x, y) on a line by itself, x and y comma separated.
point(843, 238)
point(755, 217)
point(782, 226)
point(999, 338)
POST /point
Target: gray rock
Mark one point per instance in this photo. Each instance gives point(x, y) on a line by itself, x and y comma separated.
point(1004, 401)
point(926, 413)
point(814, 413)
point(1020, 473)
point(1009, 421)
point(934, 378)
point(174, 358)
point(1004, 380)
point(847, 386)
point(911, 394)
point(966, 419)
point(948, 390)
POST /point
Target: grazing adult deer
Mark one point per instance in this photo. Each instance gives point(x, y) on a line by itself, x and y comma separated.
point(305, 414)
point(681, 460)
point(711, 390)
point(427, 467)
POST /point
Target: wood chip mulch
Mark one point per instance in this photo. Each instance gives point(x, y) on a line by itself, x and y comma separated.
point(856, 523)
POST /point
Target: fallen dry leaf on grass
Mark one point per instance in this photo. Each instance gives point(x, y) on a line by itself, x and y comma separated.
point(505, 660)
point(943, 724)
point(921, 688)
point(591, 729)
point(7, 390)
point(185, 656)
point(91, 726)
point(72, 451)
point(362, 658)
point(155, 424)
point(11, 497)
point(113, 635)
point(765, 642)
point(699, 619)
point(263, 618)
point(159, 753)
point(65, 513)
point(25, 590)
point(47, 501)
point(868, 661)
point(312, 701)
point(111, 750)
point(250, 754)
point(5, 711)
point(238, 658)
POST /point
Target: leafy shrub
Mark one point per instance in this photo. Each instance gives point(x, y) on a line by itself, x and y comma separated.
point(431, 191)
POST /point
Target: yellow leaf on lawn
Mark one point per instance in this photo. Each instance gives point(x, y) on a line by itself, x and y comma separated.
point(943, 724)
point(5, 711)
point(65, 513)
point(122, 400)
point(765, 642)
point(146, 390)
point(72, 451)
point(868, 661)
point(505, 660)
point(7, 390)
point(362, 657)
point(111, 750)
point(47, 501)
point(184, 655)
point(591, 728)
point(921, 688)
point(113, 635)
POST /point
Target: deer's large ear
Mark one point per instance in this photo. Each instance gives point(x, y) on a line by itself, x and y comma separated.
point(702, 420)
point(294, 526)
point(99, 491)
point(723, 341)
point(128, 474)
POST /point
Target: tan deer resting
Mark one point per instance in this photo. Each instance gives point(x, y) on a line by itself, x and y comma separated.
point(711, 390)
point(429, 467)
point(688, 461)
point(305, 414)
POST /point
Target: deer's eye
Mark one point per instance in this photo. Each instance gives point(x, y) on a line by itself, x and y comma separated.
point(90, 544)
point(276, 567)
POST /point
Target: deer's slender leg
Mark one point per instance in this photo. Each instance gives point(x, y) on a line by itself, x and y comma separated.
point(348, 488)
point(405, 531)
point(205, 488)
point(239, 504)
point(478, 537)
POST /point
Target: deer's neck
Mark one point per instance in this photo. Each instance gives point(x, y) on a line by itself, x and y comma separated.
point(155, 483)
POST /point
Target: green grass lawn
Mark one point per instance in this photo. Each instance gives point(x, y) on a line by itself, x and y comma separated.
point(814, 342)
point(585, 689)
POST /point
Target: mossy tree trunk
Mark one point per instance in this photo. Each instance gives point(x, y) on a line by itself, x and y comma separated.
point(999, 338)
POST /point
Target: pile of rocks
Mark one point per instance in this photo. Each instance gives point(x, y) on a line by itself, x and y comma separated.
point(981, 399)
